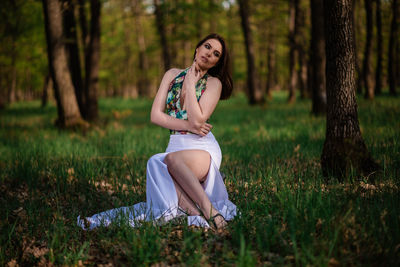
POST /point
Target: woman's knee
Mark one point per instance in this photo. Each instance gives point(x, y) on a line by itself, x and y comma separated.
point(170, 159)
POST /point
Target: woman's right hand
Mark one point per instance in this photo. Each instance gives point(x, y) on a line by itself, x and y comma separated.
point(202, 129)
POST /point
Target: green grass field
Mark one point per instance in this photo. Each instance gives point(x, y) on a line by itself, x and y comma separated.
point(289, 215)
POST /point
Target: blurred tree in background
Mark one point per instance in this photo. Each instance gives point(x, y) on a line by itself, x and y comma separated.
point(140, 39)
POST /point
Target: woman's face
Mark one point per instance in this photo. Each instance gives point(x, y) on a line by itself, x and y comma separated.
point(208, 54)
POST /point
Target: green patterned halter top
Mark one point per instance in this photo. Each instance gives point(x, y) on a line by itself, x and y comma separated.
point(173, 104)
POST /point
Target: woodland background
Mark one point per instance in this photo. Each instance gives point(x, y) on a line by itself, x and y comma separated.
point(310, 138)
point(131, 54)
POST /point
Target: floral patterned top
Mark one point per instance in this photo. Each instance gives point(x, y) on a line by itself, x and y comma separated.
point(173, 103)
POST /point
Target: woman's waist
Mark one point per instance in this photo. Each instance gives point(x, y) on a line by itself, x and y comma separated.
point(191, 140)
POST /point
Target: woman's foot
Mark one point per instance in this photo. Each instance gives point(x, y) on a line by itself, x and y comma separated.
point(218, 221)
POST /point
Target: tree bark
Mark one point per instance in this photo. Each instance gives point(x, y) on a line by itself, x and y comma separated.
point(317, 54)
point(359, 78)
point(367, 73)
point(92, 60)
point(379, 52)
point(68, 110)
point(301, 48)
point(73, 53)
point(48, 83)
point(271, 63)
point(143, 81)
point(293, 54)
point(344, 148)
point(83, 23)
point(160, 21)
point(391, 52)
point(255, 94)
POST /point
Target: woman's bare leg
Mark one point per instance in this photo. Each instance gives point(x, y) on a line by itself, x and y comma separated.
point(188, 168)
point(184, 201)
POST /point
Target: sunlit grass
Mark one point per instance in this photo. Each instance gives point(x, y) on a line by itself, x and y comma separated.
point(289, 215)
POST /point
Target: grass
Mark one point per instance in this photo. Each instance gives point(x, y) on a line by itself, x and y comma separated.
point(289, 215)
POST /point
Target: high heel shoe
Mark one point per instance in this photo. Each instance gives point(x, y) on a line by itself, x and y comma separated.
point(214, 224)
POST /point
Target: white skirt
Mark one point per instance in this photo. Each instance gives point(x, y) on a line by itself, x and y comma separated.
point(161, 198)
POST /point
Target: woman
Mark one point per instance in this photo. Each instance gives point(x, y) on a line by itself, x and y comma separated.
point(185, 180)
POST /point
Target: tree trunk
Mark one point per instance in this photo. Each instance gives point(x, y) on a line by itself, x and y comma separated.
point(271, 63)
point(68, 110)
point(344, 148)
point(317, 55)
point(143, 81)
point(359, 78)
point(379, 52)
point(160, 21)
point(48, 83)
point(367, 73)
point(300, 23)
point(73, 53)
point(255, 94)
point(213, 22)
point(83, 24)
point(293, 54)
point(92, 60)
point(391, 52)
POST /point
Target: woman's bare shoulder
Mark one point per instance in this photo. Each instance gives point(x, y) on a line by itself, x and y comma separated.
point(214, 81)
point(172, 72)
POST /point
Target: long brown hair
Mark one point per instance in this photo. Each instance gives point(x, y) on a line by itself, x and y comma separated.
point(221, 70)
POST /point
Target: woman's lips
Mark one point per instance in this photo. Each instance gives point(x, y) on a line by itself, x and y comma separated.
point(204, 59)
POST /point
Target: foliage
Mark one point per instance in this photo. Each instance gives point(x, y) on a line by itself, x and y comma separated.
point(22, 38)
point(289, 215)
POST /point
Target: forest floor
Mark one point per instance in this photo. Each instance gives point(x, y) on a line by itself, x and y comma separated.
point(289, 215)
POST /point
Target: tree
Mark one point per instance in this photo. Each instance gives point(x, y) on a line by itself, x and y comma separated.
point(70, 29)
point(255, 94)
point(293, 54)
point(317, 54)
point(271, 63)
point(344, 148)
point(143, 67)
point(357, 25)
point(379, 52)
point(160, 22)
point(301, 42)
point(391, 52)
point(92, 60)
point(67, 106)
point(367, 73)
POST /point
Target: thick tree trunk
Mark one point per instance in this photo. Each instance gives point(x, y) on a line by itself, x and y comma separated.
point(344, 148)
point(367, 73)
point(392, 46)
point(317, 53)
point(92, 60)
point(293, 54)
point(379, 52)
point(160, 21)
point(68, 110)
point(73, 53)
point(254, 93)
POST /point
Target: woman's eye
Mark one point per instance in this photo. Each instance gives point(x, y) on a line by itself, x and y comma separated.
point(216, 54)
point(207, 46)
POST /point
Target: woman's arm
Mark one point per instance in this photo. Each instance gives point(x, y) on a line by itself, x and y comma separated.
point(162, 119)
point(199, 112)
